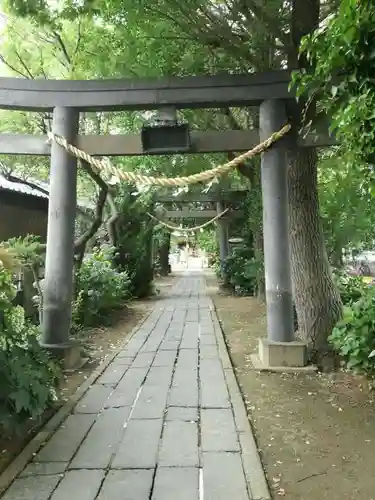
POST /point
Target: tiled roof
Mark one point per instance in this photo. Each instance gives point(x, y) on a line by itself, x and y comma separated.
point(19, 187)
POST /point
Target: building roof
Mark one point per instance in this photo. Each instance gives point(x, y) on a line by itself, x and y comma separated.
point(20, 187)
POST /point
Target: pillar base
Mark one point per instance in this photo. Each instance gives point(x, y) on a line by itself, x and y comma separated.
point(281, 357)
point(69, 354)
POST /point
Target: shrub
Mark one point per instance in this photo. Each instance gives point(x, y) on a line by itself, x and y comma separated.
point(351, 288)
point(134, 243)
point(242, 271)
point(29, 253)
point(100, 289)
point(28, 377)
point(354, 336)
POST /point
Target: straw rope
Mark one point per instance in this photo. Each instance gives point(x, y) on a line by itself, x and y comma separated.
point(172, 227)
point(105, 166)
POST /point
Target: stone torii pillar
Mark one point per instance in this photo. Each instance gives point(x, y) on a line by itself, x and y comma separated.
point(58, 283)
point(279, 351)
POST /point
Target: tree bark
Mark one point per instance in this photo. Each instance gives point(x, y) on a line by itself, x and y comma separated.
point(318, 303)
point(163, 252)
point(259, 257)
point(81, 243)
point(336, 256)
point(112, 221)
point(317, 300)
point(252, 173)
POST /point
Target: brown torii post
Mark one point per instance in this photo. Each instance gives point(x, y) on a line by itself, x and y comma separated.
point(67, 98)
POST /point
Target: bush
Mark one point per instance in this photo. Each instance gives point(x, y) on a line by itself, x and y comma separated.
point(100, 289)
point(28, 377)
point(354, 336)
point(135, 240)
point(242, 271)
point(351, 288)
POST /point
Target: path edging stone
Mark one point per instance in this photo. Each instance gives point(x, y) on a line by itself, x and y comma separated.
point(252, 464)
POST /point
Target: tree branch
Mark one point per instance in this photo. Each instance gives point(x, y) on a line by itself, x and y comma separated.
point(24, 65)
point(244, 169)
point(81, 242)
point(62, 46)
point(111, 223)
point(12, 68)
point(79, 37)
point(268, 22)
point(208, 29)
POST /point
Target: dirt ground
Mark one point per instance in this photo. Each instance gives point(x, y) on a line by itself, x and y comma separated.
point(99, 343)
point(315, 432)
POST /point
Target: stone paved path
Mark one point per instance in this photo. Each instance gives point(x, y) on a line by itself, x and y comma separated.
point(164, 421)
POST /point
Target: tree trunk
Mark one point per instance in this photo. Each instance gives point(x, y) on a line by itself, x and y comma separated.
point(257, 226)
point(336, 256)
point(258, 252)
point(317, 300)
point(163, 252)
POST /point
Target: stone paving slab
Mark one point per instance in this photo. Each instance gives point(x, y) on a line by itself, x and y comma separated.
point(86, 482)
point(179, 445)
point(151, 403)
point(65, 442)
point(127, 485)
point(164, 420)
point(32, 488)
point(214, 392)
point(218, 430)
point(182, 413)
point(126, 391)
point(173, 483)
point(165, 358)
point(94, 399)
point(114, 373)
point(223, 477)
point(44, 469)
point(101, 442)
point(139, 446)
point(184, 391)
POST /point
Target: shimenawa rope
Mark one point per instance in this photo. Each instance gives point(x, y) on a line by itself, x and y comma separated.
point(187, 229)
point(106, 166)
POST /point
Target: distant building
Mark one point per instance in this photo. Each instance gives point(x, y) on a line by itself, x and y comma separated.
point(24, 210)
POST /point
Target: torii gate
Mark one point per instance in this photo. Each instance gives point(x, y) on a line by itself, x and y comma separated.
point(223, 199)
point(68, 98)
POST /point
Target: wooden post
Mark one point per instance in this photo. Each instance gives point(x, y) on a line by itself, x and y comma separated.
point(274, 171)
point(58, 285)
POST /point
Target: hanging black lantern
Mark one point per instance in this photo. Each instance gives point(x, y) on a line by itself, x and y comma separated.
point(166, 135)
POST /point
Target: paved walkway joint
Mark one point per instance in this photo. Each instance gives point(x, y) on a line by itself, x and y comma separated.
point(164, 421)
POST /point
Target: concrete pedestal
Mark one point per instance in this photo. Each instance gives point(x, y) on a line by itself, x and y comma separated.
point(281, 356)
point(70, 355)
